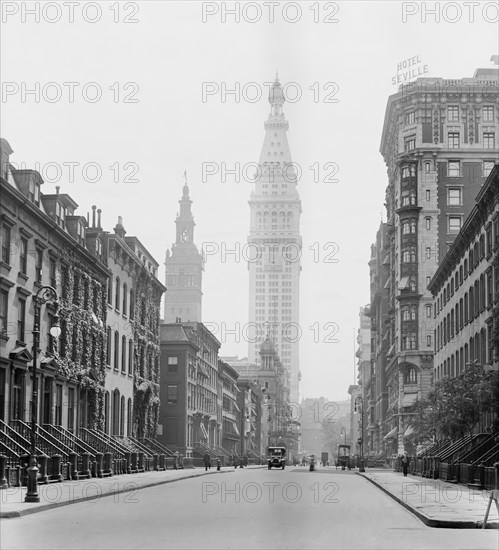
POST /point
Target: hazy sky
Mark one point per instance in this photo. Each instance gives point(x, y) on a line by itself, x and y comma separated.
point(151, 122)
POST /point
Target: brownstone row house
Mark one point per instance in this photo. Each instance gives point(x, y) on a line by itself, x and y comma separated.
point(102, 372)
point(466, 292)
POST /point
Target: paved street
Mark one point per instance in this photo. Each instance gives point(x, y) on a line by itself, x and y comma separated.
point(254, 508)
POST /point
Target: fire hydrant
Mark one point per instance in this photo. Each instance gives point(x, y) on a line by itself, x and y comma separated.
point(218, 464)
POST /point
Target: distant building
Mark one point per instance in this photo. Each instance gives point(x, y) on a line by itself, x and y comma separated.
point(274, 245)
point(184, 269)
point(191, 413)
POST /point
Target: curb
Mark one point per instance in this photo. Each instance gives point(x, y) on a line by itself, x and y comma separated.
point(125, 489)
point(438, 523)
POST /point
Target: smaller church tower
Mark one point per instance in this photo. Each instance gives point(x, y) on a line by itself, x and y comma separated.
point(184, 269)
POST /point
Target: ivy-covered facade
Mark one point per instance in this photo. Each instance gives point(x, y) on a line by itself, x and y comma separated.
point(103, 370)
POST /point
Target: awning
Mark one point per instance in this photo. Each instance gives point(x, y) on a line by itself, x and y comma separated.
point(404, 283)
point(387, 284)
point(391, 434)
point(236, 407)
point(409, 399)
point(409, 431)
point(236, 429)
point(203, 431)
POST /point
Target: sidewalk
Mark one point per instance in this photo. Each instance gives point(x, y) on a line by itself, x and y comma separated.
point(53, 495)
point(435, 502)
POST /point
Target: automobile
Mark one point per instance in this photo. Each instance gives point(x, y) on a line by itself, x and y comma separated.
point(343, 457)
point(276, 457)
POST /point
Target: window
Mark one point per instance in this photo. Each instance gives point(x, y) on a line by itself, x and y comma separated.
point(409, 143)
point(428, 223)
point(453, 113)
point(21, 316)
point(454, 196)
point(409, 256)
point(130, 357)
point(453, 139)
point(23, 256)
point(110, 292)
point(125, 298)
point(172, 364)
point(454, 224)
point(428, 252)
point(428, 341)
point(428, 311)
point(76, 289)
point(108, 346)
point(58, 405)
point(428, 194)
point(6, 235)
point(487, 167)
point(4, 310)
point(117, 295)
point(411, 376)
point(427, 167)
point(116, 349)
point(34, 192)
point(52, 273)
point(132, 304)
point(488, 113)
point(71, 408)
point(171, 394)
point(454, 168)
point(410, 118)
point(123, 354)
point(489, 140)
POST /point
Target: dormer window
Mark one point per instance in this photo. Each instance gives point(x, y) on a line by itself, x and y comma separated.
point(98, 248)
point(34, 192)
point(60, 215)
point(80, 230)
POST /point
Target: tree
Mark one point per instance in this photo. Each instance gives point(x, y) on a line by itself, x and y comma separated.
point(454, 406)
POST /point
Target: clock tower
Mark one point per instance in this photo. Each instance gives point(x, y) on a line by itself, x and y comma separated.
point(184, 269)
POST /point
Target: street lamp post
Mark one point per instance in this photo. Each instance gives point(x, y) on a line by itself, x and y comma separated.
point(359, 403)
point(44, 295)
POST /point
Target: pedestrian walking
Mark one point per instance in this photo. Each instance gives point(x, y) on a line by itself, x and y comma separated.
point(207, 461)
point(405, 463)
point(175, 460)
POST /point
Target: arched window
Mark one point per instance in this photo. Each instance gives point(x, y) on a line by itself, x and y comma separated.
point(116, 350)
point(117, 295)
point(108, 346)
point(412, 284)
point(125, 298)
point(122, 415)
point(106, 412)
point(110, 292)
point(132, 304)
point(123, 354)
point(116, 413)
point(411, 375)
point(129, 413)
point(130, 357)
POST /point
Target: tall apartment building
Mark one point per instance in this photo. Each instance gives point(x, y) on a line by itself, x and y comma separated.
point(439, 143)
point(274, 245)
point(184, 269)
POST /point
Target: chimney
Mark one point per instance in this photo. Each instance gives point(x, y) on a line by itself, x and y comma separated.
point(98, 218)
point(93, 215)
point(57, 189)
point(119, 229)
